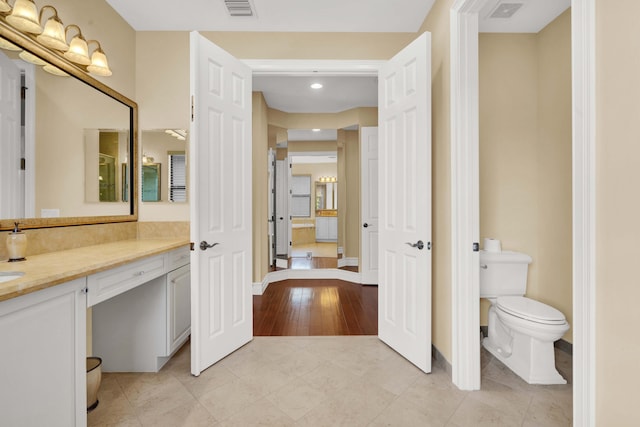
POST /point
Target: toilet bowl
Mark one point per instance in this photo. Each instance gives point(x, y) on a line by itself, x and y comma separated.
point(521, 330)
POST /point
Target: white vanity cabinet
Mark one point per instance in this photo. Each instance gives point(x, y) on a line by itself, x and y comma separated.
point(139, 327)
point(42, 357)
point(326, 229)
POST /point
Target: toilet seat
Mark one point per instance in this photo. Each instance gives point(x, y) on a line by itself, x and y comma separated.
point(529, 309)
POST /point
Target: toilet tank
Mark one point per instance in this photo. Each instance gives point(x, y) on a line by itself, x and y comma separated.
point(503, 273)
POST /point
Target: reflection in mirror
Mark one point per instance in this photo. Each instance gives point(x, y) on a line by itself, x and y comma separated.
point(167, 149)
point(55, 155)
point(150, 182)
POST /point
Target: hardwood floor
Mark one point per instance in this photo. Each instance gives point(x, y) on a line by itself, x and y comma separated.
point(316, 307)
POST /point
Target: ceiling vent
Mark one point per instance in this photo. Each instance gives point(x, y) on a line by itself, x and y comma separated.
point(505, 10)
point(239, 7)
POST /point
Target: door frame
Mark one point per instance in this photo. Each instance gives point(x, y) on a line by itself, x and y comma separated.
point(464, 136)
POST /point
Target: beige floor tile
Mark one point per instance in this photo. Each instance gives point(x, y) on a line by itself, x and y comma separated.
point(394, 374)
point(356, 405)
point(190, 414)
point(260, 413)
point(211, 378)
point(406, 414)
point(473, 413)
point(299, 362)
point(297, 398)
point(269, 378)
point(229, 399)
point(329, 378)
point(549, 410)
point(512, 401)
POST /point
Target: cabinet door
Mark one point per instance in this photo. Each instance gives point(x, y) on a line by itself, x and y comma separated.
point(333, 228)
point(179, 305)
point(43, 351)
point(322, 228)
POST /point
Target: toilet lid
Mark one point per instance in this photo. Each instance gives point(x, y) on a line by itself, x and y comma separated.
point(527, 308)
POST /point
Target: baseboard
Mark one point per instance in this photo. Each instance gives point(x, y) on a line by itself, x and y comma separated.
point(260, 287)
point(561, 344)
point(441, 361)
point(282, 263)
point(347, 262)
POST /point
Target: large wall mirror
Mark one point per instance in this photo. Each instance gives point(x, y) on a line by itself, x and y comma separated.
point(68, 144)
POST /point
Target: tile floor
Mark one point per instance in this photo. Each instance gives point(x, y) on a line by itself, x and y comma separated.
point(326, 381)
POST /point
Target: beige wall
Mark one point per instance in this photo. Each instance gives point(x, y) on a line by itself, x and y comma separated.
point(617, 212)
point(525, 154)
point(438, 24)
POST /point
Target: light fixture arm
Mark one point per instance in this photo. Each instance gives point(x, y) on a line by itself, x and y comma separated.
point(54, 16)
point(71, 27)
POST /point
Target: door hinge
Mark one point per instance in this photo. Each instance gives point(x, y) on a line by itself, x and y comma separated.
point(290, 243)
point(428, 246)
point(192, 246)
point(476, 246)
point(192, 108)
point(23, 164)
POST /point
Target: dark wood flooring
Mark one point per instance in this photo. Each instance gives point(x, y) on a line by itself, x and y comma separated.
point(316, 307)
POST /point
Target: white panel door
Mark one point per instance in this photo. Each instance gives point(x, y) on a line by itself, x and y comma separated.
point(271, 168)
point(221, 279)
point(404, 118)
point(282, 212)
point(369, 203)
point(11, 176)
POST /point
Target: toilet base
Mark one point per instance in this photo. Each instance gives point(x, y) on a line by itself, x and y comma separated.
point(531, 359)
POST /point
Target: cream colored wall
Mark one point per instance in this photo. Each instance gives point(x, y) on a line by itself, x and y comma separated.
point(617, 212)
point(555, 219)
point(438, 24)
point(162, 88)
point(363, 116)
point(525, 155)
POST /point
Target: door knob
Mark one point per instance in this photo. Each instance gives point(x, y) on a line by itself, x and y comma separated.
point(365, 225)
point(419, 244)
point(204, 245)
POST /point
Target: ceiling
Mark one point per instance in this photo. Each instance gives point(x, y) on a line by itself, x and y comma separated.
point(291, 93)
point(276, 15)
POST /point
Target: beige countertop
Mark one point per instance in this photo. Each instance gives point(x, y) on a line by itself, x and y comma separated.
point(46, 270)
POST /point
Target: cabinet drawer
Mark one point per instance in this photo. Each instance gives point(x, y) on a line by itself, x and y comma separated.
point(107, 284)
point(179, 257)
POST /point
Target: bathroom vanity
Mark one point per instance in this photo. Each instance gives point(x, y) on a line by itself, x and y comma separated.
point(139, 294)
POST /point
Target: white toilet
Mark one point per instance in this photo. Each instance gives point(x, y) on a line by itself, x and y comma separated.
point(521, 330)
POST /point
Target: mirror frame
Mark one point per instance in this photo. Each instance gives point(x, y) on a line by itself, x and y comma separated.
point(28, 43)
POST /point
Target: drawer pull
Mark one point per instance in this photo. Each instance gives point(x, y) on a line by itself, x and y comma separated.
point(139, 273)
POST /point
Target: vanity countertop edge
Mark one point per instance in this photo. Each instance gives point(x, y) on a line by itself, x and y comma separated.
point(53, 268)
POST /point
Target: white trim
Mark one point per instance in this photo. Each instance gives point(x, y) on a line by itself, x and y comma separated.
point(319, 273)
point(347, 262)
point(305, 67)
point(583, 67)
point(258, 288)
point(465, 289)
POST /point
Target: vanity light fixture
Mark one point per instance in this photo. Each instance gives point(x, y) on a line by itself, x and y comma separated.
point(99, 65)
point(53, 36)
point(7, 45)
point(4, 6)
point(24, 17)
point(52, 69)
point(78, 49)
point(180, 134)
point(31, 58)
point(316, 86)
point(315, 130)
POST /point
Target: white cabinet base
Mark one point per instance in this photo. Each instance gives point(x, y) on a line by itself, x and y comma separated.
point(42, 355)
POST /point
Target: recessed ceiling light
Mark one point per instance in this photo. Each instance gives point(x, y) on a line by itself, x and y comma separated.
point(315, 130)
point(316, 86)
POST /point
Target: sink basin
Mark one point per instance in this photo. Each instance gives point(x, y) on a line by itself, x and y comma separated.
point(6, 276)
